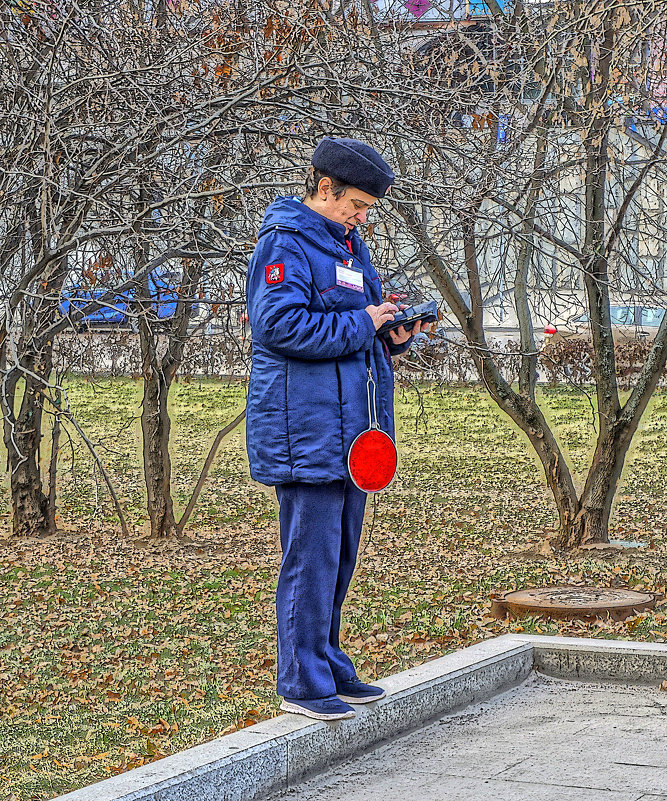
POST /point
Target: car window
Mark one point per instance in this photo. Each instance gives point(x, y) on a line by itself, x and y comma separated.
point(166, 275)
point(651, 317)
point(622, 315)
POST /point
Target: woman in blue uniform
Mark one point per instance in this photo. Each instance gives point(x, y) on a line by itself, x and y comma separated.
point(315, 305)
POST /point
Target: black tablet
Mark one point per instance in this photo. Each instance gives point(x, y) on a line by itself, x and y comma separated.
point(422, 312)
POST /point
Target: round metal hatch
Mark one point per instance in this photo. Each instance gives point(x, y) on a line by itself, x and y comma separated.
point(574, 602)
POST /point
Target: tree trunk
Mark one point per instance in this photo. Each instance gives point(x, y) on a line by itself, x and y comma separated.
point(156, 427)
point(590, 525)
point(22, 435)
point(528, 416)
point(53, 471)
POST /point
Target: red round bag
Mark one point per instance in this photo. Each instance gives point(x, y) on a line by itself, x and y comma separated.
point(372, 458)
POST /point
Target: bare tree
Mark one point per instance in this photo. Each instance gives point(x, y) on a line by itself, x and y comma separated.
point(110, 109)
point(563, 104)
point(136, 131)
point(529, 148)
point(529, 144)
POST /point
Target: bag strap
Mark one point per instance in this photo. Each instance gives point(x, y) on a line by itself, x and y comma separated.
point(371, 388)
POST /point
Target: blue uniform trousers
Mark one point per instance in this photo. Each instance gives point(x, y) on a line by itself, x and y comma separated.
point(320, 528)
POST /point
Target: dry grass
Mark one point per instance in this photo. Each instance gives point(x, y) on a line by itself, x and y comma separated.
point(113, 653)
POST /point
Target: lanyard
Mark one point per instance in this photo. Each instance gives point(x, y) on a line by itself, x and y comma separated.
point(371, 391)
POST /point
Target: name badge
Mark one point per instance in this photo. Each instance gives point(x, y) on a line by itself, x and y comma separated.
point(348, 276)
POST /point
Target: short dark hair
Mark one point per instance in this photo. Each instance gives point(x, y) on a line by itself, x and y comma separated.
point(313, 179)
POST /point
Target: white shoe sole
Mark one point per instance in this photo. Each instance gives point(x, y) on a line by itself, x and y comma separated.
point(350, 700)
point(286, 706)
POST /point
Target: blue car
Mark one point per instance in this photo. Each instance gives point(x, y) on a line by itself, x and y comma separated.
point(165, 292)
point(112, 314)
point(117, 311)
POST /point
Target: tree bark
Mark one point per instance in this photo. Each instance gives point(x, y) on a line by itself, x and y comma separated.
point(528, 368)
point(53, 470)
point(158, 370)
point(591, 523)
point(22, 435)
point(156, 429)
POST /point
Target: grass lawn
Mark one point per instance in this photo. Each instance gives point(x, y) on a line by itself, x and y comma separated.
point(113, 654)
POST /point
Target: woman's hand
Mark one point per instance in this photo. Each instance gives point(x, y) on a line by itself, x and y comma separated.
point(399, 335)
point(382, 314)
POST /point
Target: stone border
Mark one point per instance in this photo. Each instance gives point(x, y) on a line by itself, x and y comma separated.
point(598, 660)
point(277, 753)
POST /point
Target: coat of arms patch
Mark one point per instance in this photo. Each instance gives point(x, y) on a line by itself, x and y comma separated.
point(275, 273)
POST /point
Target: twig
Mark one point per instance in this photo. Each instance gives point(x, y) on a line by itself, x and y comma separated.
point(107, 479)
point(207, 466)
point(53, 465)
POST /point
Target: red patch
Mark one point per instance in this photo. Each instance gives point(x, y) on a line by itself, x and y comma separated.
point(275, 273)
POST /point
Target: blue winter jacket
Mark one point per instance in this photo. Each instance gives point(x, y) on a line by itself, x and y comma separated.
point(307, 397)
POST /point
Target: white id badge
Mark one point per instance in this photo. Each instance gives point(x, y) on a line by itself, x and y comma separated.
point(348, 276)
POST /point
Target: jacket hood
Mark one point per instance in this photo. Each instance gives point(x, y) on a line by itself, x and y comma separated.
point(291, 214)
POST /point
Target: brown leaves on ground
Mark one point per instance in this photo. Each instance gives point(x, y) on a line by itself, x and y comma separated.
point(113, 655)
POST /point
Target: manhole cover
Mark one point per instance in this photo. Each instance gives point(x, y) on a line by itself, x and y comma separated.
point(574, 602)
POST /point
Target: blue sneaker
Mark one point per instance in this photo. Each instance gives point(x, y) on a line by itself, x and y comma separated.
point(354, 691)
point(329, 708)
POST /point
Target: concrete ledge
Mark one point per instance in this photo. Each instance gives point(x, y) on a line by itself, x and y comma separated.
point(414, 697)
point(598, 660)
point(276, 753)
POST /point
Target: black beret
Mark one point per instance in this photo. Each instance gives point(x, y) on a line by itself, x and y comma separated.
point(354, 163)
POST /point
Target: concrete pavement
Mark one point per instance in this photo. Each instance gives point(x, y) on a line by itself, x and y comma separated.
point(547, 740)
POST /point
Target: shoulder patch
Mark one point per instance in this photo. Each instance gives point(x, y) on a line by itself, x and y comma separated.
point(274, 273)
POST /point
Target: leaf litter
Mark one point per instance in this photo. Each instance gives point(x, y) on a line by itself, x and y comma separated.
point(115, 653)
